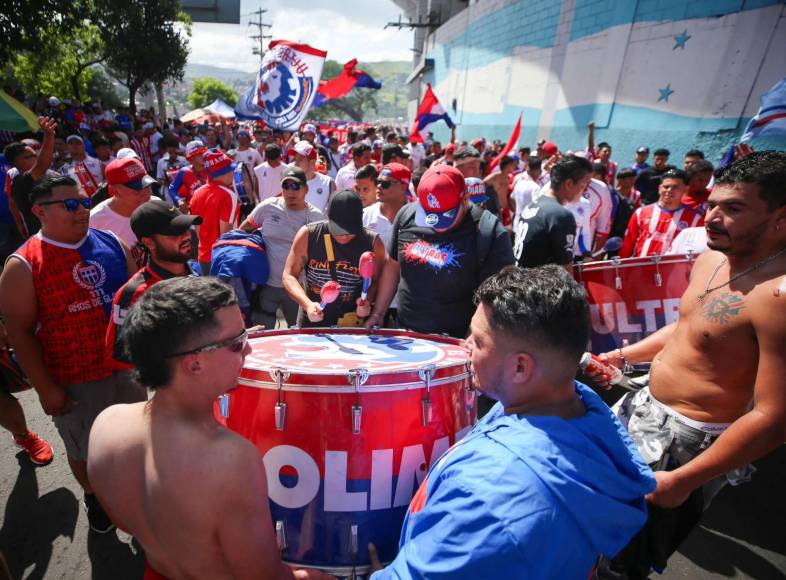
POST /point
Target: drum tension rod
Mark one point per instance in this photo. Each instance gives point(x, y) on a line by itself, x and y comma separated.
point(658, 277)
point(469, 394)
point(223, 405)
point(357, 378)
point(281, 535)
point(617, 278)
point(426, 373)
point(280, 408)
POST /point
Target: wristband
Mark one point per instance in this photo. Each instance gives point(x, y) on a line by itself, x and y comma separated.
point(623, 360)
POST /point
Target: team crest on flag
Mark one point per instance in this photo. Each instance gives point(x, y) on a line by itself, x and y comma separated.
point(285, 87)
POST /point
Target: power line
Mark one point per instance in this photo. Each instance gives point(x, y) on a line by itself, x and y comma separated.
point(260, 37)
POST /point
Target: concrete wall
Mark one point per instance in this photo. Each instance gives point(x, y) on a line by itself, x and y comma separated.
point(662, 73)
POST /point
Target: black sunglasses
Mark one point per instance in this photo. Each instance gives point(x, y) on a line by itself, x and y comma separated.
point(384, 183)
point(71, 204)
point(291, 185)
point(236, 344)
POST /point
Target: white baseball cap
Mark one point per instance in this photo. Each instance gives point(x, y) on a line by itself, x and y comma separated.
point(54, 102)
point(126, 152)
point(303, 148)
point(310, 129)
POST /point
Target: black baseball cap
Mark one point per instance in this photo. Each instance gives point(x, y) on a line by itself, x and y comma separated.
point(295, 173)
point(160, 217)
point(345, 212)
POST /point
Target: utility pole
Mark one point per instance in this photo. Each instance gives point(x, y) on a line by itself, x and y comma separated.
point(259, 25)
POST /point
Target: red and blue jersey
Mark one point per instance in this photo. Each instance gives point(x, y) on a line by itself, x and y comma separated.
point(74, 286)
point(185, 183)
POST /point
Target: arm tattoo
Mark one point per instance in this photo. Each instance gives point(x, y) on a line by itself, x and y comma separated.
point(722, 308)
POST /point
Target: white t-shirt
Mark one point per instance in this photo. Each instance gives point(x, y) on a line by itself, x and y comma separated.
point(319, 191)
point(279, 226)
point(582, 213)
point(374, 220)
point(345, 178)
point(525, 191)
point(163, 165)
point(269, 179)
point(250, 157)
point(103, 217)
point(690, 240)
point(599, 195)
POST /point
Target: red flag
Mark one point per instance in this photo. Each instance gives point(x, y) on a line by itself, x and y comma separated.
point(512, 142)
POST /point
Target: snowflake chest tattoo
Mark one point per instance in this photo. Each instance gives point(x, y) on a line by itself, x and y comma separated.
point(722, 308)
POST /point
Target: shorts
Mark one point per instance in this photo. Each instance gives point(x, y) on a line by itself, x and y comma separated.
point(94, 397)
point(269, 299)
point(666, 441)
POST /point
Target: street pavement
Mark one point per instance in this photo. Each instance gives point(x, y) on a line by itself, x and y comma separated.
point(44, 532)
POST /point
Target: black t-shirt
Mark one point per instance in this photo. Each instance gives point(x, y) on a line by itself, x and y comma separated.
point(440, 271)
point(343, 269)
point(544, 234)
point(21, 187)
point(648, 183)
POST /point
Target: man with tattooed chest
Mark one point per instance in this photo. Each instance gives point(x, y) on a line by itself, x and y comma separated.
point(715, 400)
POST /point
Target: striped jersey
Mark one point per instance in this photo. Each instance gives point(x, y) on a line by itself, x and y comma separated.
point(74, 286)
point(652, 229)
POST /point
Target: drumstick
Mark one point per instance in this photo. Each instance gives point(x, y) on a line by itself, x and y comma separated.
point(366, 267)
point(329, 293)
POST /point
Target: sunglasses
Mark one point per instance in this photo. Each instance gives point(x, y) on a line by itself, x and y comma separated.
point(291, 186)
point(236, 344)
point(72, 203)
point(384, 183)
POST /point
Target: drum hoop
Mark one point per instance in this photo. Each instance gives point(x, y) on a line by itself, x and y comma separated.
point(625, 263)
point(334, 389)
point(340, 571)
point(338, 373)
point(441, 338)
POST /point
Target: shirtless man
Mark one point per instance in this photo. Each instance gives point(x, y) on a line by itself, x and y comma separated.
point(192, 492)
point(716, 381)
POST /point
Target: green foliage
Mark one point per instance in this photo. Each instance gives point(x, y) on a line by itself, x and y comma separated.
point(101, 89)
point(62, 63)
point(26, 23)
point(206, 90)
point(146, 42)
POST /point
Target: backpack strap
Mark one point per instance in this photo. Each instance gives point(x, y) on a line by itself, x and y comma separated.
point(486, 225)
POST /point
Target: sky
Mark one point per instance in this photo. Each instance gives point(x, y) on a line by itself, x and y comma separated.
point(346, 29)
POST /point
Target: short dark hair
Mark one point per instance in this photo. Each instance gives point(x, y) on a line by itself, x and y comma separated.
point(626, 172)
point(695, 153)
point(701, 166)
point(534, 163)
point(389, 151)
point(675, 173)
point(543, 306)
point(367, 172)
point(170, 317)
point(599, 167)
point(13, 150)
point(100, 142)
point(525, 150)
point(43, 190)
point(505, 161)
point(767, 169)
point(358, 149)
point(272, 151)
point(603, 144)
point(661, 151)
point(571, 167)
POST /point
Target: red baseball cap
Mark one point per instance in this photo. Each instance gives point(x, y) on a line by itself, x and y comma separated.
point(450, 147)
point(440, 192)
point(129, 172)
point(398, 172)
point(549, 149)
point(218, 163)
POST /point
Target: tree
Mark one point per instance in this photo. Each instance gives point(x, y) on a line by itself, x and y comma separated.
point(145, 42)
point(206, 90)
point(62, 63)
point(25, 23)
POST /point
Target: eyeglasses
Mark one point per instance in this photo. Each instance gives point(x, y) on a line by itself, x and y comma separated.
point(384, 183)
point(291, 186)
point(236, 344)
point(71, 204)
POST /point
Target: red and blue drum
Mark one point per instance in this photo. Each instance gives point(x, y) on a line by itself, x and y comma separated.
point(633, 297)
point(348, 423)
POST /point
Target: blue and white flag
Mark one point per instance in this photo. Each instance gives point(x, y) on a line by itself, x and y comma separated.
point(770, 121)
point(286, 86)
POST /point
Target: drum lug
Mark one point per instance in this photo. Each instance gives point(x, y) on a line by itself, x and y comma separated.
point(357, 415)
point(353, 540)
point(658, 277)
point(426, 373)
point(617, 277)
point(223, 405)
point(281, 536)
point(357, 378)
point(280, 411)
point(280, 408)
point(469, 399)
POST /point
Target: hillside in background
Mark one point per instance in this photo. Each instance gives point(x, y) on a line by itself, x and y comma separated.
point(391, 98)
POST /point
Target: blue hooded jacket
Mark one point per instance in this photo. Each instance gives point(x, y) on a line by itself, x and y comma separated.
point(526, 497)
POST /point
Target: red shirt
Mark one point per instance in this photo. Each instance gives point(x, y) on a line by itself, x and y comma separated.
point(124, 299)
point(216, 203)
point(74, 285)
point(652, 229)
point(697, 202)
